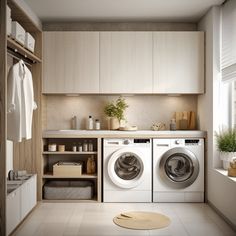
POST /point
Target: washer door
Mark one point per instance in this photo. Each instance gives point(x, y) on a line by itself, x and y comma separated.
point(126, 167)
point(179, 167)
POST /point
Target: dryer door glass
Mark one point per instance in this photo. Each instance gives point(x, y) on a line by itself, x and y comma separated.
point(128, 166)
point(179, 167)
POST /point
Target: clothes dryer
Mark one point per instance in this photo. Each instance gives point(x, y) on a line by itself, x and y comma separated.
point(178, 170)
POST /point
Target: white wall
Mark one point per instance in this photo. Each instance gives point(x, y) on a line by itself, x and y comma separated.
point(221, 191)
point(143, 111)
point(9, 160)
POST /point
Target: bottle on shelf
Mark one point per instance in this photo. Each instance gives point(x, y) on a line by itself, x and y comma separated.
point(173, 124)
point(85, 146)
point(74, 122)
point(91, 165)
point(74, 148)
point(90, 146)
point(80, 147)
point(90, 123)
point(97, 124)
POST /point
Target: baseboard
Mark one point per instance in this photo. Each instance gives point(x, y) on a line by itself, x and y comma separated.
point(226, 219)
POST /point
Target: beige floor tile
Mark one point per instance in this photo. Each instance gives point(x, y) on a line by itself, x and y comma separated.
point(88, 219)
point(208, 229)
point(50, 229)
point(28, 228)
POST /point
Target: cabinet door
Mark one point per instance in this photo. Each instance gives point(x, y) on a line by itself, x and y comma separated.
point(125, 62)
point(178, 62)
point(28, 196)
point(25, 206)
point(13, 210)
point(32, 192)
point(71, 62)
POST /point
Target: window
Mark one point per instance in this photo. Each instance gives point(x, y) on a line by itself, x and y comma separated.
point(233, 104)
point(228, 62)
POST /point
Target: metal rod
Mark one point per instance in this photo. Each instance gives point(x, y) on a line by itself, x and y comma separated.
point(19, 57)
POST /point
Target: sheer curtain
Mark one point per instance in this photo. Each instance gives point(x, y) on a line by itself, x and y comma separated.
point(229, 41)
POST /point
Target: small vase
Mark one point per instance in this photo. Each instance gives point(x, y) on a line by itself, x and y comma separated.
point(114, 123)
point(227, 157)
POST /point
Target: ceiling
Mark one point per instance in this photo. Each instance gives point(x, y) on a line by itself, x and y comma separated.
point(121, 10)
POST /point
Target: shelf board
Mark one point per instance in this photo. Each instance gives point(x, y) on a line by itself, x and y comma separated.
point(70, 201)
point(83, 176)
point(21, 50)
point(68, 152)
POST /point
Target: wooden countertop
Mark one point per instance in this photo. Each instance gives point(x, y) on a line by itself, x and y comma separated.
point(123, 134)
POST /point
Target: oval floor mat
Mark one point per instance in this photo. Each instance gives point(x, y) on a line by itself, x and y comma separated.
point(141, 220)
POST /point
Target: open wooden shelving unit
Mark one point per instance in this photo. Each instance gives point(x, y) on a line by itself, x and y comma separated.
point(16, 47)
point(27, 154)
point(83, 176)
point(49, 158)
point(69, 153)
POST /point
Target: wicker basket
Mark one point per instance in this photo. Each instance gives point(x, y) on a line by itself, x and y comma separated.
point(67, 169)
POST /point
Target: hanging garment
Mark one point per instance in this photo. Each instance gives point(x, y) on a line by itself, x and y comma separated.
point(20, 99)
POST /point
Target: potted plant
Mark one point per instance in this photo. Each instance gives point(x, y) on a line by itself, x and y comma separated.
point(226, 143)
point(115, 111)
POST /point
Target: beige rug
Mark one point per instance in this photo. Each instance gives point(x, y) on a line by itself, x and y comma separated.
point(141, 220)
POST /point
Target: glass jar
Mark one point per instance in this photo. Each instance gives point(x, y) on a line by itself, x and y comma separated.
point(85, 146)
point(74, 148)
point(97, 124)
point(80, 147)
point(90, 146)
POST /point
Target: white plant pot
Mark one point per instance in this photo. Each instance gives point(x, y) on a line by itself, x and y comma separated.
point(227, 157)
point(113, 124)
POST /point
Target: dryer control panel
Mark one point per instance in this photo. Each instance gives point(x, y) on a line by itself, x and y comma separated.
point(185, 142)
point(192, 142)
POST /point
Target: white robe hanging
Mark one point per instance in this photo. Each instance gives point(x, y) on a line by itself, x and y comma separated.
point(20, 99)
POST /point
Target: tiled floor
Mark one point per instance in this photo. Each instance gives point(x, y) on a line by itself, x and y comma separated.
point(95, 219)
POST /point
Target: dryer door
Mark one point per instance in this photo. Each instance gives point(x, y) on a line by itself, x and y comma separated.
point(179, 167)
point(126, 167)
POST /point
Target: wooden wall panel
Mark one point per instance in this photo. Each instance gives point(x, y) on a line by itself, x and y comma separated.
point(27, 154)
point(3, 69)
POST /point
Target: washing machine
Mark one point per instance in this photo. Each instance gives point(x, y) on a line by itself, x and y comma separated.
point(127, 167)
point(178, 170)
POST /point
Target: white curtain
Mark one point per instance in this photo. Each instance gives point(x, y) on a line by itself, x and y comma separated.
point(229, 41)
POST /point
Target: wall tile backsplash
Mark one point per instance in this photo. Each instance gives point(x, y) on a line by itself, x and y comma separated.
point(143, 110)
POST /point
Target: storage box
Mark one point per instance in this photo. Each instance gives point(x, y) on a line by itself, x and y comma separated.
point(18, 32)
point(9, 20)
point(29, 41)
point(73, 190)
point(67, 169)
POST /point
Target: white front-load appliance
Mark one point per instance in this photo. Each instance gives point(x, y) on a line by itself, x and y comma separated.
point(127, 167)
point(178, 170)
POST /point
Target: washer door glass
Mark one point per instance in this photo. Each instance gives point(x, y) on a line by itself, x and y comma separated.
point(179, 167)
point(128, 166)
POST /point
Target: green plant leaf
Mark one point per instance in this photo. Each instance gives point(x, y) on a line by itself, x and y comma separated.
point(226, 140)
point(116, 109)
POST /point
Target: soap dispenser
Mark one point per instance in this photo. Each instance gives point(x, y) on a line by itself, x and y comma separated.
point(90, 123)
point(74, 122)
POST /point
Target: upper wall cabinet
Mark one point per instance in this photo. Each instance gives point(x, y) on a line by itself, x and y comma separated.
point(125, 62)
point(71, 62)
point(178, 62)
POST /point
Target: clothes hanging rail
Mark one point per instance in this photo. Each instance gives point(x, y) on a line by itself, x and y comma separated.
point(18, 57)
